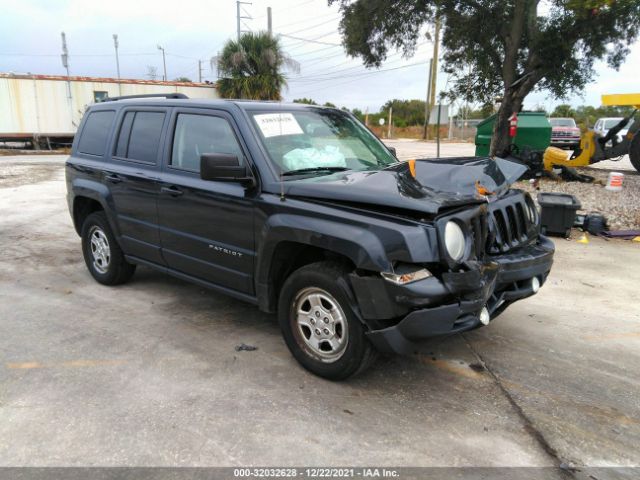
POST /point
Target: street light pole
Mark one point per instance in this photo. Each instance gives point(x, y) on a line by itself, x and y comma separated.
point(164, 63)
point(115, 45)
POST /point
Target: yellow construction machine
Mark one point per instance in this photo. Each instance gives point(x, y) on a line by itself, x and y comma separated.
point(594, 148)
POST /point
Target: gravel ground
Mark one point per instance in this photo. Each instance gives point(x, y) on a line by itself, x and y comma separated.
point(622, 209)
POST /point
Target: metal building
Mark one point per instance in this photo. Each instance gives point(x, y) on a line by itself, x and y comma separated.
point(47, 109)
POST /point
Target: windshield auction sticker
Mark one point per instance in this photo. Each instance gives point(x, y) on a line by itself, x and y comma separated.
point(276, 124)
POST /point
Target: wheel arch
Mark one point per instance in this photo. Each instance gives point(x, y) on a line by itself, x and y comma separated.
point(82, 208)
point(284, 248)
point(89, 196)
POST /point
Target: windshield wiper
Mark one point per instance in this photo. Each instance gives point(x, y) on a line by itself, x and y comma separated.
point(302, 171)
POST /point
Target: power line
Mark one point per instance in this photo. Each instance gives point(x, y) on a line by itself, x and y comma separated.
point(75, 54)
point(312, 41)
point(288, 9)
point(307, 92)
point(315, 51)
point(315, 74)
point(356, 75)
point(312, 26)
point(286, 25)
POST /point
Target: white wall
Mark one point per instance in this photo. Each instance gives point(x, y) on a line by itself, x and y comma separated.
point(41, 106)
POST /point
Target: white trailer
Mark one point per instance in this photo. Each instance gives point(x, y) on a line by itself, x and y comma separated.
point(47, 109)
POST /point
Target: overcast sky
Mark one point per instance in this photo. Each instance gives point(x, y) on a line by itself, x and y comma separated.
point(192, 30)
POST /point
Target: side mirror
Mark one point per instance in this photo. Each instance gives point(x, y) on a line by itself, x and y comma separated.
point(393, 151)
point(223, 167)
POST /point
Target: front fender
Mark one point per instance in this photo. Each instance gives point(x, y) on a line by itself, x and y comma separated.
point(361, 246)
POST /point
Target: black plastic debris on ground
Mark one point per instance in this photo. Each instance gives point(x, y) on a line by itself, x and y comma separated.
point(245, 348)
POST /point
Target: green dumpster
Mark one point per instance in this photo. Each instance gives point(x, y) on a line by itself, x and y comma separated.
point(534, 132)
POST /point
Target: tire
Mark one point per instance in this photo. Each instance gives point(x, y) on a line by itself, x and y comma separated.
point(634, 151)
point(340, 349)
point(102, 254)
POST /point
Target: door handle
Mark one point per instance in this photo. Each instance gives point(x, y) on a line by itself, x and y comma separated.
point(113, 178)
point(173, 191)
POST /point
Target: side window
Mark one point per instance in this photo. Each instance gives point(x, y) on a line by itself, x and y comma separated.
point(95, 133)
point(139, 137)
point(198, 134)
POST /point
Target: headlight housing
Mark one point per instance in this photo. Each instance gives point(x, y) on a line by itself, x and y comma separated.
point(454, 241)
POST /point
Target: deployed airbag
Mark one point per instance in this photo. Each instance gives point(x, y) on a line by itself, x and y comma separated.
point(329, 156)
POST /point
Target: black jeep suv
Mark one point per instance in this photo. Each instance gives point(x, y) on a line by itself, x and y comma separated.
point(304, 212)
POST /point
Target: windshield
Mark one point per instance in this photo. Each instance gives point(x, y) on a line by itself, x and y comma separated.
point(318, 141)
point(612, 122)
point(562, 122)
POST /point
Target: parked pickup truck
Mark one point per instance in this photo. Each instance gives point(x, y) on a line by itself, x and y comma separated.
point(564, 133)
point(302, 211)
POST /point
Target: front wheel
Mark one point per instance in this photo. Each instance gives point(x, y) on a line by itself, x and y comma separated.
point(319, 324)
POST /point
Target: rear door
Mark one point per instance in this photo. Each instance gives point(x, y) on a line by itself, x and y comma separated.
point(132, 178)
point(206, 227)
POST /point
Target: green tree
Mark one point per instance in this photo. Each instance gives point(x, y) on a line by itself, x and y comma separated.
point(305, 100)
point(183, 79)
point(563, 110)
point(499, 48)
point(358, 114)
point(329, 104)
point(252, 67)
point(405, 112)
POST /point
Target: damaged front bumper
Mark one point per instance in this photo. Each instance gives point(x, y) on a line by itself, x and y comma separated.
point(452, 303)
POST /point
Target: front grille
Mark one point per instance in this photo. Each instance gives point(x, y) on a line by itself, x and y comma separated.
point(479, 230)
point(509, 226)
point(564, 135)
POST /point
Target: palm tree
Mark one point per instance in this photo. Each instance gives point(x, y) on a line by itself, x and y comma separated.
point(251, 67)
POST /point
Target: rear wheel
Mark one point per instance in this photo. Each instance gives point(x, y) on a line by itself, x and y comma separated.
point(102, 254)
point(634, 151)
point(319, 324)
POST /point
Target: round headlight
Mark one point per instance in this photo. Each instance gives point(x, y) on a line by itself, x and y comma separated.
point(454, 241)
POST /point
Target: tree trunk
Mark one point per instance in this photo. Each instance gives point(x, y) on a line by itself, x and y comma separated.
point(501, 141)
point(512, 99)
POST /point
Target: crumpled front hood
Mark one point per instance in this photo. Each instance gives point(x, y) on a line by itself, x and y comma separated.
point(437, 184)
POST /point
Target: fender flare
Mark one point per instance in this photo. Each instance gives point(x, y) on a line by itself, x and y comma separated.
point(99, 192)
point(361, 246)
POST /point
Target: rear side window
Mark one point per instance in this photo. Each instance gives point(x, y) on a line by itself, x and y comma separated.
point(139, 137)
point(95, 133)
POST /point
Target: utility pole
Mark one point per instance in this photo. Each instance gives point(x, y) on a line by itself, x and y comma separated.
point(438, 130)
point(390, 118)
point(434, 70)
point(427, 107)
point(65, 64)
point(115, 45)
point(200, 71)
point(239, 15)
point(433, 75)
point(269, 24)
point(164, 63)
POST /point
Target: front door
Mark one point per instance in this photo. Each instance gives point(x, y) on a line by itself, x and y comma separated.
point(206, 227)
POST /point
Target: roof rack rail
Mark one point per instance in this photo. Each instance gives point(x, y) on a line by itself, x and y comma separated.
point(148, 95)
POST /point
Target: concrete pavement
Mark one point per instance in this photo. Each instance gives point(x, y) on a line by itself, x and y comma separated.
point(147, 373)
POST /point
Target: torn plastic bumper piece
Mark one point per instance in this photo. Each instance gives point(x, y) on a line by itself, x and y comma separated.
point(507, 278)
